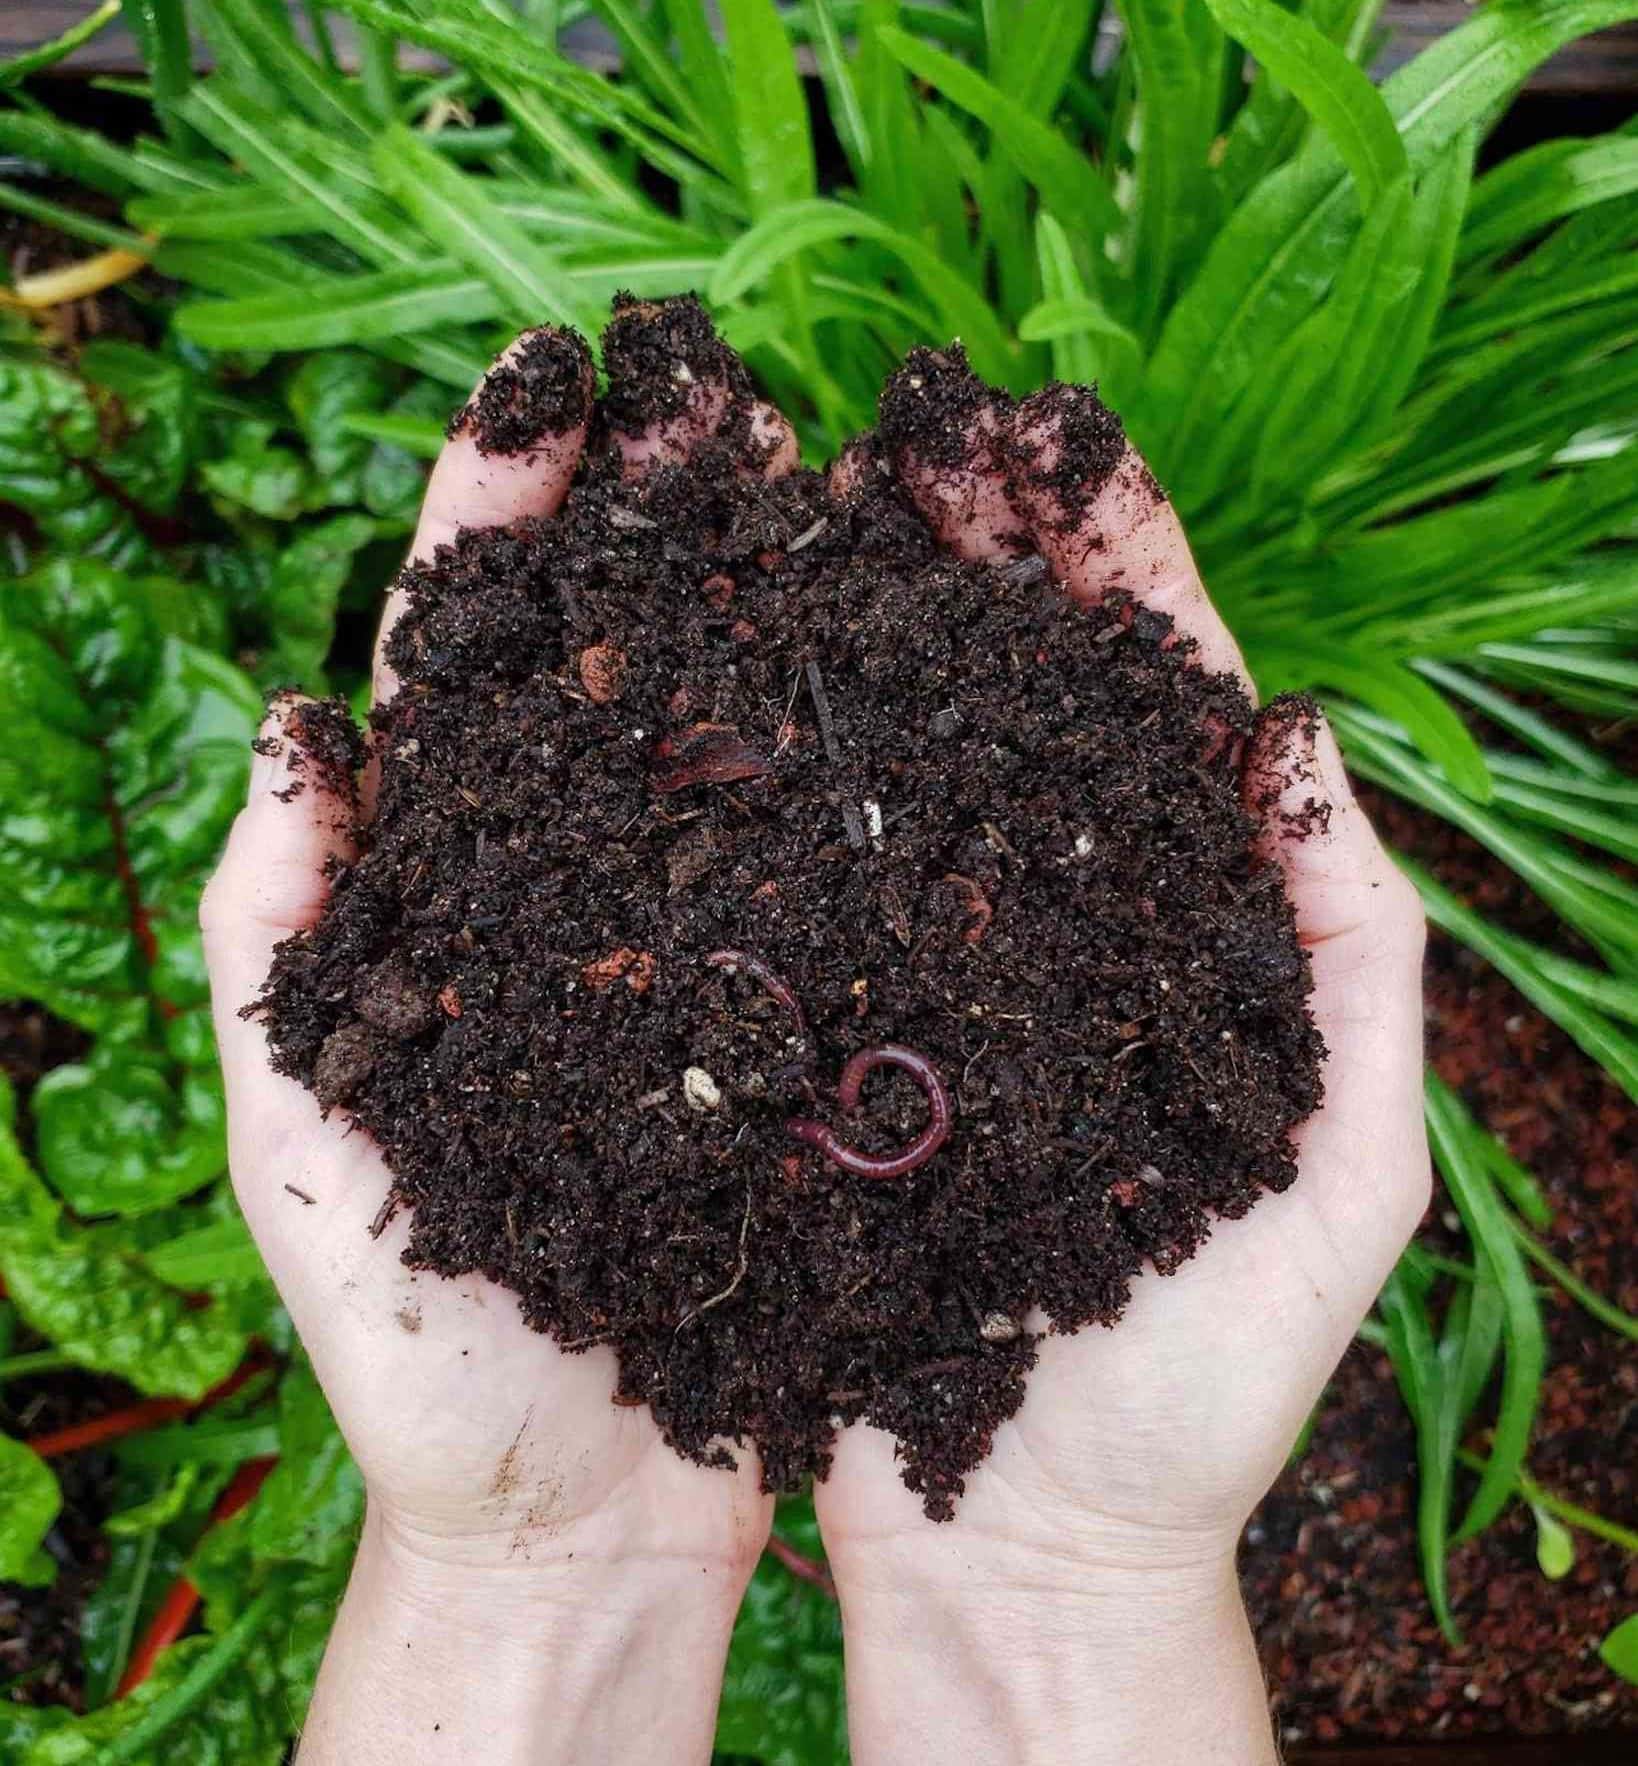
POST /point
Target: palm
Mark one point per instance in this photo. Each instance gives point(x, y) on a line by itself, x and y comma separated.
point(470, 1428)
point(465, 1422)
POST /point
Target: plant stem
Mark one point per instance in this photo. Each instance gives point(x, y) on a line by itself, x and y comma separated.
point(37, 1361)
point(1561, 1508)
point(1588, 1299)
point(200, 1678)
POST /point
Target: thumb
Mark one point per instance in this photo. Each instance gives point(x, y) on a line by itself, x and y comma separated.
point(273, 880)
point(1364, 1154)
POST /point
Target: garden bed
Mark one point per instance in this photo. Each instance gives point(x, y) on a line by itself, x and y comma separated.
point(1329, 1563)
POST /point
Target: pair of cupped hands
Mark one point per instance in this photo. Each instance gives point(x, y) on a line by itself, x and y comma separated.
point(541, 1578)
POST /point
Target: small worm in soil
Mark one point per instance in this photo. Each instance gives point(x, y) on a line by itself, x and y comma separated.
point(978, 906)
point(774, 984)
point(907, 1159)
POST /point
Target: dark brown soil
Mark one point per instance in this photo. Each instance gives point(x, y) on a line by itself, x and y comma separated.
point(714, 784)
point(1329, 1564)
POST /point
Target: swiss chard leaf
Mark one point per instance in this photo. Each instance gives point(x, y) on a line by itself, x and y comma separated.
point(29, 1501)
point(93, 1296)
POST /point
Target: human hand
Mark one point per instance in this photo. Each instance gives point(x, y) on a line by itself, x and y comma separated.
point(510, 1502)
point(1083, 1602)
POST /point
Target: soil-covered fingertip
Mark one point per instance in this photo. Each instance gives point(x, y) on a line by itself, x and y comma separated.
point(657, 354)
point(539, 390)
point(936, 412)
point(1066, 445)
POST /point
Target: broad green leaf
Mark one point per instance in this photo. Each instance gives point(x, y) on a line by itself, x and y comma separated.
point(29, 1501)
point(1340, 99)
point(352, 310)
point(222, 1252)
point(1069, 185)
point(125, 1131)
point(451, 208)
point(1619, 1651)
point(99, 1305)
point(151, 425)
point(1532, 189)
point(128, 762)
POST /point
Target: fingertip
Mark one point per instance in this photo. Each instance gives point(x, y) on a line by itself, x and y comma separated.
point(772, 447)
point(672, 381)
point(1339, 876)
point(300, 813)
point(1104, 524)
point(946, 436)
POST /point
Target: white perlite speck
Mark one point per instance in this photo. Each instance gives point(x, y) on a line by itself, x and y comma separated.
point(700, 1090)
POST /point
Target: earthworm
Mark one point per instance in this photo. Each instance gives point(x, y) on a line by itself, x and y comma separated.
point(909, 1158)
point(774, 984)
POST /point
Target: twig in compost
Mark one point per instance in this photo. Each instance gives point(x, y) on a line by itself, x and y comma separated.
point(852, 821)
point(739, 1273)
point(907, 1159)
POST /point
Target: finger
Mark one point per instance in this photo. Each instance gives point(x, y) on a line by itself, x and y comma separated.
point(273, 881)
point(1103, 524)
point(673, 383)
point(512, 452)
point(1364, 1155)
point(945, 434)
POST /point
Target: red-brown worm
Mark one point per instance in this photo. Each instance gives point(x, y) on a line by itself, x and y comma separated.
point(774, 984)
point(909, 1158)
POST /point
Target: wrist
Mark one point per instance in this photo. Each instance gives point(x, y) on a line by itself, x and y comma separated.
point(571, 1652)
point(1024, 1657)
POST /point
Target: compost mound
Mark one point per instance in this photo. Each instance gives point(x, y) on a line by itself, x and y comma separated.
point(719, 803)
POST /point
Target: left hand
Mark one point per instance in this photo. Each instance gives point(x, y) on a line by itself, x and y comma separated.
point(508, 1497)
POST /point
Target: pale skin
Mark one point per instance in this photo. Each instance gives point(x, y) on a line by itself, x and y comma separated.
point(541, 1579)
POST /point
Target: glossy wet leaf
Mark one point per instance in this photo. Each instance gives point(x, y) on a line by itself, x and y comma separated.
point(1619, 1651)
point(94, 1299)
point(29, 1501)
